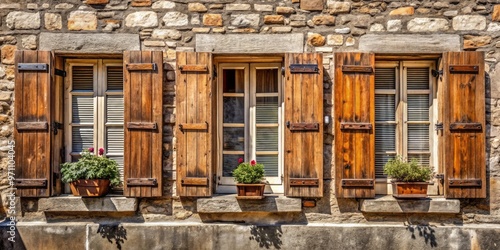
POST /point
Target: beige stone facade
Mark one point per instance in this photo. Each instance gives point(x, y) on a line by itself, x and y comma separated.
point(246, 27)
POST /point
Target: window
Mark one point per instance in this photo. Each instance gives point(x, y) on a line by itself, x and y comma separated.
point(250, 108)
point(94, 108)
point(405, 111)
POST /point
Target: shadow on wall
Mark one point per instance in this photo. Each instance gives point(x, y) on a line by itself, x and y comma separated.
point(267, 236)
point(113, 232)
point(424, 231)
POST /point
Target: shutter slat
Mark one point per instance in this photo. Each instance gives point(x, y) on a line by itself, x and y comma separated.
point(303, 157)
point(355, 103)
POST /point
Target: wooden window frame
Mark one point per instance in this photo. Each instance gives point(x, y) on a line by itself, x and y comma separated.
point(383, 185)
point(249, 65)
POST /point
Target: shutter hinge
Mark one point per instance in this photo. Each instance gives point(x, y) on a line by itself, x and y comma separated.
point(436, 73)
point(283, 71)
point(60, 72)
point(55, 126)
point(214, 72)
point(62, 153)
point(438, 126)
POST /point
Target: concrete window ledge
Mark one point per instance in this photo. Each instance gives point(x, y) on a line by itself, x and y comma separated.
point(71, 203)
point(389, 204)
point(229, 204)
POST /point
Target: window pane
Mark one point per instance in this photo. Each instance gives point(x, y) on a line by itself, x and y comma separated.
point(234, 80)
point(83, 78)
point(270, 164)
point(380, 161)
point(417, 78)
point(266, 81)
point(114, 140)
point(82, 138)
point(234, 139)
point(267, 110)
point(418, 107)
point(234, 109)
point(385, 78)
point(418, 137)
point(229, 163)
point(423, 159)
point(82, 109)
point(119, 161)
point(115, 78)
point(385, 137)
point(385, 107)
point(267, 139)
point(114, 109)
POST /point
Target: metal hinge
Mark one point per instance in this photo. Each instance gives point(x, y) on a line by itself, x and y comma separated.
point(214, 72)
point(436, 73)
point(283, 71)
point(439, 176)
point(438, 126)
point(60, 72)
point(62, 153)
point(55, 126)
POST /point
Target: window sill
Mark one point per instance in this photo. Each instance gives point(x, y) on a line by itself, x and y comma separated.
point(389, 204)
point(229, 204)
point(70, 203)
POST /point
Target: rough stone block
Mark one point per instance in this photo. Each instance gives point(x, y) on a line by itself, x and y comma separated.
point(20, 20)
point(469, 22)
point(274, 19)
point(82, 20)
point(312, 5)
point(53, 21)
point(471, 42)
point(197, 7)
point(245, 20)
point(237, 7)
point(428, 24)
point(163, 5)
point(175, 19)
point(84, 42)
point(324, 20)
point(388, 204)
point(141, 3)
point(398, 43)
point(495, 16)
point(229, 204)
point(250, 43)
point(142, 19)
point(404, 11)
point(35, 235)
point(337, 7)
point(285, 10)
point(79, 204)
point(166, 34)
point(7, 54)
point(212, 19)
point(263, 7)
point(315, 39)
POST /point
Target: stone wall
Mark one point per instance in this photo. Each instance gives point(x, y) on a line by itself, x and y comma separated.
point(325, 26)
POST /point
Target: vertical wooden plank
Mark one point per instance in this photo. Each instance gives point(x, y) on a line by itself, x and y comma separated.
point(30, 81)
point(57, 108)
point(42, 168)
point(201, 113)
point(180, 108)
point(135, 112)
point(20, 92)
point(192, 102)
point(157, 116)
point(126, 117)
point(146, 116)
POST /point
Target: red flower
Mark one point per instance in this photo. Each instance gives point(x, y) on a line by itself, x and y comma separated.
point(91, 150)
point(252, 163)
point(240, 160)
point(101, 151)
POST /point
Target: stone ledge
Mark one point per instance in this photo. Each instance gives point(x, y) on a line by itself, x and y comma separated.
point(229, 204)
point(388, 204)
point(79, 204)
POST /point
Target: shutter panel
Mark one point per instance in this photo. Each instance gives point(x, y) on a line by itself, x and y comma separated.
point(463, 115)
point(33, 120)
point(354, 125)
point(194, 106)
point(304, 119)
point(143, 99)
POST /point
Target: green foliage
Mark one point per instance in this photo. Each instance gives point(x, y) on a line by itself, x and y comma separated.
point(401, 169)
point(91, 166)
point(249, 173)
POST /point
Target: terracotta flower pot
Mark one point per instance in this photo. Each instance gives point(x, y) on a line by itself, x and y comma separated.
point(250, 191)
point(90, 188)
point(409, 189)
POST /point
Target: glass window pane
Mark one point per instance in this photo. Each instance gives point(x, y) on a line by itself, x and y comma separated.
point(385, 137)
point(423, 159)
point(233, 109)
point(81, 138)
point(114, 140)
point(270, 164)
point(83, 78)
point(115, 78)
point(418, 137)
point(417, 78)
point(266, 80)
point(234, 139)
point(385, 78)
point(82, 109)
point(385, 107)
point(233, 80)
point(229, 163)
point(380, 161)
point(114, 109)
point(418, 107)
point(267, 139)
point(266, 110)
point(119, 161)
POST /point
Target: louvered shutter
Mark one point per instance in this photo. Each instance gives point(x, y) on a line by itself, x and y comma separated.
point(463, 113)
point(303, 167)
point(354, 125)
point(143, 98)
point(33, 119)
point(195, 96)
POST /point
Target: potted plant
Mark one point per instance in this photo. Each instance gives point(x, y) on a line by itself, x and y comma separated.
point(91, 175)
point(409, 179)
point(249, 180)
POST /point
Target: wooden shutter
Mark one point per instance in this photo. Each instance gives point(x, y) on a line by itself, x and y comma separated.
point(195, 96)
point(304, 125)
point(33, 120)
point(354, 125)
point(463, 114)
point(143, 98)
